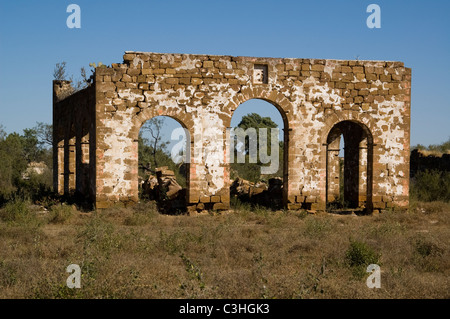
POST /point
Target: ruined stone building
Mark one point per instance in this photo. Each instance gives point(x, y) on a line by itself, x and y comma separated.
point(367, 102)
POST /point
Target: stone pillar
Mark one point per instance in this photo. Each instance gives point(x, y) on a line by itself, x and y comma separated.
point(363, 174)
point(70, 166)
point(333, 170)
point(82, 163)
point(59, 168)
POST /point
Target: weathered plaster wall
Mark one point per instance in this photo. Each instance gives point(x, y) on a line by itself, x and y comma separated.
point(202, 91)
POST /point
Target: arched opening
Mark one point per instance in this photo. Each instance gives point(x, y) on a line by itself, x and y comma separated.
point(258, 154)
point(349, 167)
point(163, 163)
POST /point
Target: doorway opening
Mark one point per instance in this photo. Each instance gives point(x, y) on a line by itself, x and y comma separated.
point(349, 167)
point(258, 169)
point(163, 171)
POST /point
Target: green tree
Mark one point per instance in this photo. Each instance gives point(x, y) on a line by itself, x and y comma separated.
point(254, 120)
point(252, 171)
point(13, 163)
point(442, 148)
point(16, 152)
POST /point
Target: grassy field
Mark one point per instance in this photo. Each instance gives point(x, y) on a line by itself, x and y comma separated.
point(245, 253)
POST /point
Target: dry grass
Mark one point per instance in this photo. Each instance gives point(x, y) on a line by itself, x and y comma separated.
point(138, 253)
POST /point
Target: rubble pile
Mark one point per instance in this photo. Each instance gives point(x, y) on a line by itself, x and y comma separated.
point(267, 194)
point(165, 189)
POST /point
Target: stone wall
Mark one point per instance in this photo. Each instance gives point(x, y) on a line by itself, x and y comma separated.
point(366, 101)
point(73, 130)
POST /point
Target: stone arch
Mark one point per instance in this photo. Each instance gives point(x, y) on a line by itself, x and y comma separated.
point(138, 121)
point(335, 118)
point(274, 97)
point(284, 107)
point(358, 160)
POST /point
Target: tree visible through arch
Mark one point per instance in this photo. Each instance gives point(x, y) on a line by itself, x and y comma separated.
point(252, 141)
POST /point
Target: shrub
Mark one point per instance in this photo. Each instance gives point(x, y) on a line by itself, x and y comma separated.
point(359, 256)
point(425, 248)
point(17, 211)
point(431, 207)
point(141, 214)
point(431, 185)
point(428, 255)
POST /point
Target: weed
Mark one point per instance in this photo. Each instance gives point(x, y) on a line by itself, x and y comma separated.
point(430, 207)
point(193, 270)
point(172, 243)
point(8, 274)
point(100, 236)
point(317, 227)
point(238, 205)
point(302, 214)
point(136, 220)
point(425, 248)
point(142, 215)
point(60, 214)
point(388, 228)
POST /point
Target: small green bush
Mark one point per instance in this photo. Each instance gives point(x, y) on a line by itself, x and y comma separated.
point(99, 237)
point(359, 255)
point(425, 248)
point(428, 256)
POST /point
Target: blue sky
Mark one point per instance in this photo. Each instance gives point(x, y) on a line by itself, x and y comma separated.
point(34, 37)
